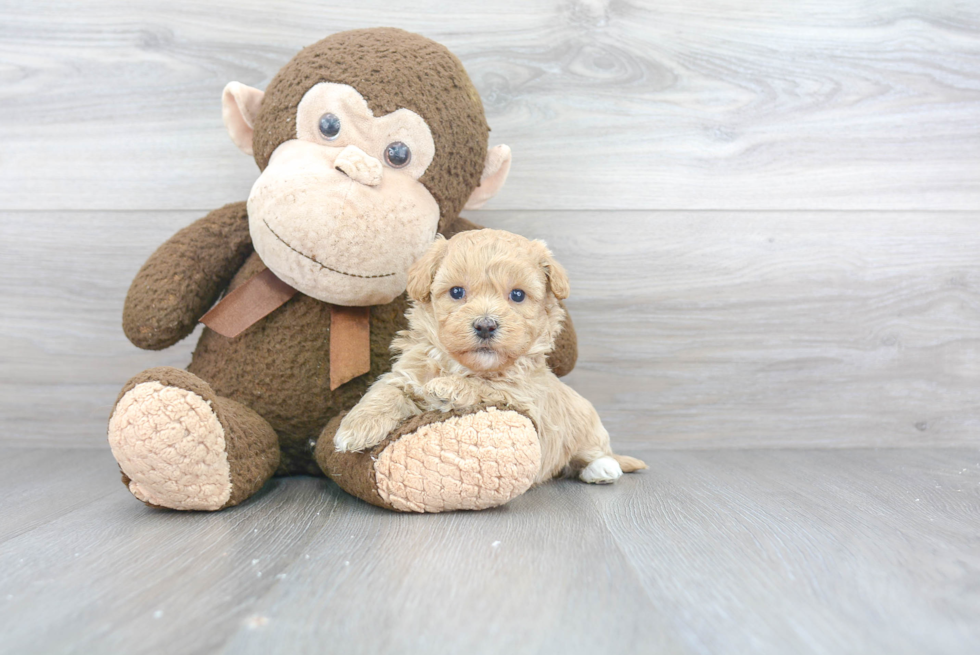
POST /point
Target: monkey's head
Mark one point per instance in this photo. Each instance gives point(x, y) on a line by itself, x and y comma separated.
point(369, 142)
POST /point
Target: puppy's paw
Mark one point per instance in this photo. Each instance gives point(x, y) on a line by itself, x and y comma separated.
point(604, 470)
point(360, 430)
point(447, 393)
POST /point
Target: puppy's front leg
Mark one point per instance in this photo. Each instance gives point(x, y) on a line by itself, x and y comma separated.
point(381, 410)
point(446, 393)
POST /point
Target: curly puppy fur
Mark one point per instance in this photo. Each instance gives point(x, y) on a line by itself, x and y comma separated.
point(485, 316)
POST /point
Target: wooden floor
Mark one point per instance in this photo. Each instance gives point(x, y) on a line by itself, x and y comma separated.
point(737, 551)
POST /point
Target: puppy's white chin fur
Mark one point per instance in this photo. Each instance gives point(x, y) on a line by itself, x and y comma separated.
point(483, 359)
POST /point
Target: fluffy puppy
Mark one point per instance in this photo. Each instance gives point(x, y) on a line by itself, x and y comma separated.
point(486, 313)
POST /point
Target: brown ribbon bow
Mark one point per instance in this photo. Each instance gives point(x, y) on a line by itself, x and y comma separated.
point(263, 293)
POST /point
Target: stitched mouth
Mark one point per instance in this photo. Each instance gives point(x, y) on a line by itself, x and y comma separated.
point(321, 264)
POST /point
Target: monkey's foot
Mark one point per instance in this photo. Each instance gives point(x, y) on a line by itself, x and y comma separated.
point(180, 446)
point(439, 462)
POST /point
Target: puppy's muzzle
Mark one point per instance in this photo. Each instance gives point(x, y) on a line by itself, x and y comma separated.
point(485, 328)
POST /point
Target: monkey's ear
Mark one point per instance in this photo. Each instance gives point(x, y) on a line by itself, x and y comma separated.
point(239, 106)
point(555, 272)
point(422, 272)
point(494, 175)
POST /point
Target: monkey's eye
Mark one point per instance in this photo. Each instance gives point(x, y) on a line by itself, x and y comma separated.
point(329, 126)
point(517, 295)
point(457, 293)
point(398, 155)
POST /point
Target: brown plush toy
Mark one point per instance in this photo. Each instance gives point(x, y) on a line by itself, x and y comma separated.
point(370, 142)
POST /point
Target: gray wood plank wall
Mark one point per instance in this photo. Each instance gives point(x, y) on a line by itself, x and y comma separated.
point(769, 210)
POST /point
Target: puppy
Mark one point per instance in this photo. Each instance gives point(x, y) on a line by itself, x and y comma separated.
point(486, 313)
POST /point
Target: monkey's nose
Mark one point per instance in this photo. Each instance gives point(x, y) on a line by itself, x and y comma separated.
point(485, 327)
point(359, 166)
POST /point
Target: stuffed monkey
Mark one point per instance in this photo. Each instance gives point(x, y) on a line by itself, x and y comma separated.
point(369, 143)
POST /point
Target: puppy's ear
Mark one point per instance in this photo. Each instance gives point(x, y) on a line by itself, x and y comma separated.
point(557, 277)
point(421, 273)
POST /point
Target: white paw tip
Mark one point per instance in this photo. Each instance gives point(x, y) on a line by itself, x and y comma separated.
point(604, 470)
point(341, 442)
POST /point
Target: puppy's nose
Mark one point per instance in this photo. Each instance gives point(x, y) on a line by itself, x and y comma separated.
point(485, 327)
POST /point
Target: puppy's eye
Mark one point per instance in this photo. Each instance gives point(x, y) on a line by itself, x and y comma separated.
point(457, 293)
point(517, 295)
point(329, 126)
point(398, 155)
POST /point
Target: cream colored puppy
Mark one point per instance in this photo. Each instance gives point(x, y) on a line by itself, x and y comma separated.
point(484, 318)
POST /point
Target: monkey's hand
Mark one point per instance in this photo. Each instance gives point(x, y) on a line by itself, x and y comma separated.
point(382, 409)
point(185, 276)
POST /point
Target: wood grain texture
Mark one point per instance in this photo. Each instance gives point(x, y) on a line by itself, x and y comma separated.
point(696, 329)
point(808, 551)
point(729, 329)
point(114, 104)
point(789, 551)
point(40, 486)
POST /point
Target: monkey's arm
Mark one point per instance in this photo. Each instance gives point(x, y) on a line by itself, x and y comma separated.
point(185, 276)
point(460, 224)
point(562, 358)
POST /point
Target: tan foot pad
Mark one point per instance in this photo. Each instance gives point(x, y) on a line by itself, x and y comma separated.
point(473, 461)
point(170, 444)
